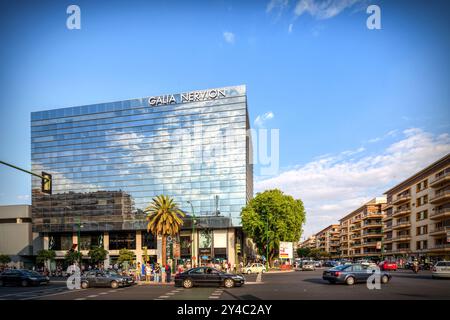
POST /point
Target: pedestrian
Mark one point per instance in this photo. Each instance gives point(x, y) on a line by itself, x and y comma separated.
point(157, 272)
point(138, 272)
point(148, 272)
point(168, 272)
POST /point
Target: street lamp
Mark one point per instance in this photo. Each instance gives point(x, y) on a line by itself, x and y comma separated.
point(267, 243)
point(194, 221)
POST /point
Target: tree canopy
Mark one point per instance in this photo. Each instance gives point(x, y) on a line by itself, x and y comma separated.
point(45, 255)
point(98, 254)
point(271, 217)
point(72, 256)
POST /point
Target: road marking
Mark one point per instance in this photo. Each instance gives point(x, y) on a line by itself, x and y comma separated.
point(93, 296)
point(50, 294)
point(214, 297)
point(163, 297)
point(103, 293)
point(170, 293)
point(111, 290)
point(31, 292)
point(80, 299)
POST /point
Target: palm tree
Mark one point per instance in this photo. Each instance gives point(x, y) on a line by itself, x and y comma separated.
point(164, 219)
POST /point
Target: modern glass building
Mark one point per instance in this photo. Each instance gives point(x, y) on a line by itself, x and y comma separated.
point(109, 160)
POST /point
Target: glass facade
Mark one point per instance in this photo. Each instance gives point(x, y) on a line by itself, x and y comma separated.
point(108, 160)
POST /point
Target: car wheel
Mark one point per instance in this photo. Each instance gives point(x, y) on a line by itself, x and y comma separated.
point(84, 285)
point(350, 281)
point(263, 271)
point(384, 279)
point(228, 283)
point(187, 283)
point(249, 271)
point(114, 284)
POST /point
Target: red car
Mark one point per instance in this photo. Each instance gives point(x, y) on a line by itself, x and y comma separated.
point(387, 265)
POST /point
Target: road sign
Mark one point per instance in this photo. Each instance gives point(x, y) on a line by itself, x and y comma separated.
point(286, 250)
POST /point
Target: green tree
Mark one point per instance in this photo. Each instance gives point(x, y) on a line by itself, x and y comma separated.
point(45, 257)
point(317, 254)
point(126, 257)
point(164, 219)
point(72, 256)
point(4, 259)
point(271, 217)
point(97, 255)
point(303, 252)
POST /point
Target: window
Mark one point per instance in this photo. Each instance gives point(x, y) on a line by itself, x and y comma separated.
point(421, 230)
point(421, 215)
point(422, 185)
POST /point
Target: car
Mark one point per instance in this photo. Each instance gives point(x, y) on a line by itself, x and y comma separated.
point(441, 270)
point(330, 264)
point(388, 265)
point(254, 268)
point(207, 276)
point(105, 278)
point(23, 278)
point(318, 264)
point(351, 274)
point(309, 266)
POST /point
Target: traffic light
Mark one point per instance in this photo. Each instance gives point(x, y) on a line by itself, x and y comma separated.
point(46, 183)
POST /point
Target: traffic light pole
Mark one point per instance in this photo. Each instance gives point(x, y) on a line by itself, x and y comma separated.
point(29, 172)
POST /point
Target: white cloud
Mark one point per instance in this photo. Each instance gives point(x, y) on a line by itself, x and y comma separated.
point(277, 4)
point(291, 26)
point(229, 37)
point(262, 119)
point(334, 185)
point(323, 9)
point(23, 197)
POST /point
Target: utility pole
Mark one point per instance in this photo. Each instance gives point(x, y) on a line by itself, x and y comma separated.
point(267, 243)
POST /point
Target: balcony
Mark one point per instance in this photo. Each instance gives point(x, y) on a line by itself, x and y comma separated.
point(402, 198)
point(441, 179)
point(439, 231)
point(387, 240)
point(372, 234)
point(401, 212)
point(403, 250)
point(401, 224)
point(388, 228)
point(440, 197)
point(370, 243)
point(440, 214)
point(388, 217)
point(369, 215)
point(372, 224)
point(441, 247)
point(356, 244)
point(402, 238)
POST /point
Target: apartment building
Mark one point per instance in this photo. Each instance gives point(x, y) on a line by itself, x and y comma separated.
point(328, 240)
point(310, 243)
point(417, 215)
point(361, 231)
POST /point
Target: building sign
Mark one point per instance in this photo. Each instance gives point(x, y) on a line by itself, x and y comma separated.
point(286, 250)
point(193, 96)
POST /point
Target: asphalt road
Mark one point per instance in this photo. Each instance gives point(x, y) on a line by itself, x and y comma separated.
point(301, 285)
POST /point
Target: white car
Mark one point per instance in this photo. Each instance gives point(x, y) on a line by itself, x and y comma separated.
point(309, 265)
point(254, 268)
point(441, 270)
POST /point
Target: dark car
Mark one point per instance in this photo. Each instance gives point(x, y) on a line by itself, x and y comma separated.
point(353, 273)
point(330, 264)
point(23, 278)
point(105, 278)
point(206, 276)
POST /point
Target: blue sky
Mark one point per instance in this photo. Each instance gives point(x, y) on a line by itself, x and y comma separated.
point(346, 99)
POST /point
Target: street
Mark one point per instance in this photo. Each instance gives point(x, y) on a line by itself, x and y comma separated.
point(297, 285)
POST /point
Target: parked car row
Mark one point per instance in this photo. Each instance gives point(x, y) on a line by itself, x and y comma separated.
point(22, 278)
